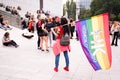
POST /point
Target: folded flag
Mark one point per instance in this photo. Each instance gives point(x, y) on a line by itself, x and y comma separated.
point(93, 34)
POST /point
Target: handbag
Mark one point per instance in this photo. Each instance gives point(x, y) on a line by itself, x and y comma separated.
point(65, 40)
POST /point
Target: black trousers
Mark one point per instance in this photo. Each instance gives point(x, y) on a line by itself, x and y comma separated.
point(115, 38)
point(13, 43)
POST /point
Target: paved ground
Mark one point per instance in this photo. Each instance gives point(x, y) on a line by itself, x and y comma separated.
point(28, 63)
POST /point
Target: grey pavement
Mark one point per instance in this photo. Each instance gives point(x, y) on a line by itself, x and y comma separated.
point(28, 63)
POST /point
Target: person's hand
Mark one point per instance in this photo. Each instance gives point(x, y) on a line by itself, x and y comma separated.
point(69, 50)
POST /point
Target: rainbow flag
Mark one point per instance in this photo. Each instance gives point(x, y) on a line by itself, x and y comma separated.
point(94, 37)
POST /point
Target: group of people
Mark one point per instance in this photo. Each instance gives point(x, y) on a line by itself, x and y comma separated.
point(48, 29)
point(13, 10)
point(56, 27)
point(6, 41)
point(51, 29)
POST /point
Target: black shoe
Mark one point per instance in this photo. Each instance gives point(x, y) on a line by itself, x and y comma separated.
point(116, 45)
point(112, 44)
point(47, 50)
point(39, 48)
point(42, 50)
point(16, 46)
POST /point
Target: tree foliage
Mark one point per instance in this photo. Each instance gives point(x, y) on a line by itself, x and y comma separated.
point(84, 13)
point(64, 9)
point(102, 6)
point(70, 8)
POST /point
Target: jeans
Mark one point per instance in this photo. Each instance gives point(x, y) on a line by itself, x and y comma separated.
point(54, 37)
point(50, 37)
point(3, 27)
point(66, 59)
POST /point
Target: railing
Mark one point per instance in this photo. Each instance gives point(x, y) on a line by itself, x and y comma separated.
point(14, 20)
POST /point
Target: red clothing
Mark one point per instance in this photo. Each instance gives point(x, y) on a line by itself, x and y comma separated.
point(57, 48)
point(30, 24)
point(39, 24)
point(60, 32)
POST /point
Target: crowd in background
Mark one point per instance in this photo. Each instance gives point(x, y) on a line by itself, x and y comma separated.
point(32, 23)
point(43, 26)
point(48, 30)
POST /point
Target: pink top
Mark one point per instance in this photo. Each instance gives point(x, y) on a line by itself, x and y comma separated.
point(39, 24)
point(57, 48)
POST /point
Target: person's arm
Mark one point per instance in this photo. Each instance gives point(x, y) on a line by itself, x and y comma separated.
point(52, 29)
point(112, 29)
point(4, 40)
point(119, 28)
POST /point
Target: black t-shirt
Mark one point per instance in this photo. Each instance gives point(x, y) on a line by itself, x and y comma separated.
point(49, 26)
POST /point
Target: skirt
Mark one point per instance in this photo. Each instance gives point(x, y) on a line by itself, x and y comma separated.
point(57, 48)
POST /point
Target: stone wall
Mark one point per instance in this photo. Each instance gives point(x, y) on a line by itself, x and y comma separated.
point(14, 20)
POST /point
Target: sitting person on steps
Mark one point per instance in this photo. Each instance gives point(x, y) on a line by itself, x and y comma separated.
point(7, 42)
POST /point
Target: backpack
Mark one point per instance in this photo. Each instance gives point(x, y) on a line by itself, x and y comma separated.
point(65, 40)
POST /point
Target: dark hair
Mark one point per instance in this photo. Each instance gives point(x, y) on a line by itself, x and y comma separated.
point(71, 20)
point(1, 15)
point(65, 26)
point(42, 21)
point(64, 21)
point(6, 34)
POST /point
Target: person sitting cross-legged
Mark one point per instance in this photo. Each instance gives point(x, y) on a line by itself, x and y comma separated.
point(7, 42)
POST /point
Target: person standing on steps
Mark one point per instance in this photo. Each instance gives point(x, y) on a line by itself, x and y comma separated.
point(115, 29)
point(57, 48)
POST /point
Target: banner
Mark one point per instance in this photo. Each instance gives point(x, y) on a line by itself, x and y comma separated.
point(94, 37)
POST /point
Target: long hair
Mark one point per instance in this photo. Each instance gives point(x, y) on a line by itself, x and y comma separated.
point(65, 26)
point(115, 24)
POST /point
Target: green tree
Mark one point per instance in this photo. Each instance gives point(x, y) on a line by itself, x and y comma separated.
point(112, 17)
point(73, 10)
point(84, 13)
point(70, 7)
point(98, 6)
point(64, 9)
point(102, 6)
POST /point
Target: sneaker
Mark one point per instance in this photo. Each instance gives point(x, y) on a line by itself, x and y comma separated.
point(42, 49)
point(56, 69)
point(112, 44)
point(16, 46)
point(39, 48)
point(47, 50)
point(66, 68)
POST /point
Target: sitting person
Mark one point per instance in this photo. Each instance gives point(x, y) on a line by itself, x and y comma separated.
point(6, 25)
point(27, 34)
point(1, 22)
point(7, 42)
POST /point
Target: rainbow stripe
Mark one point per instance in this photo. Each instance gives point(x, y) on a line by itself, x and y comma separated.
point(94, 37)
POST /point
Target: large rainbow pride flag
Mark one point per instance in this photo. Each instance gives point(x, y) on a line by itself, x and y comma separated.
point(94, 37)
